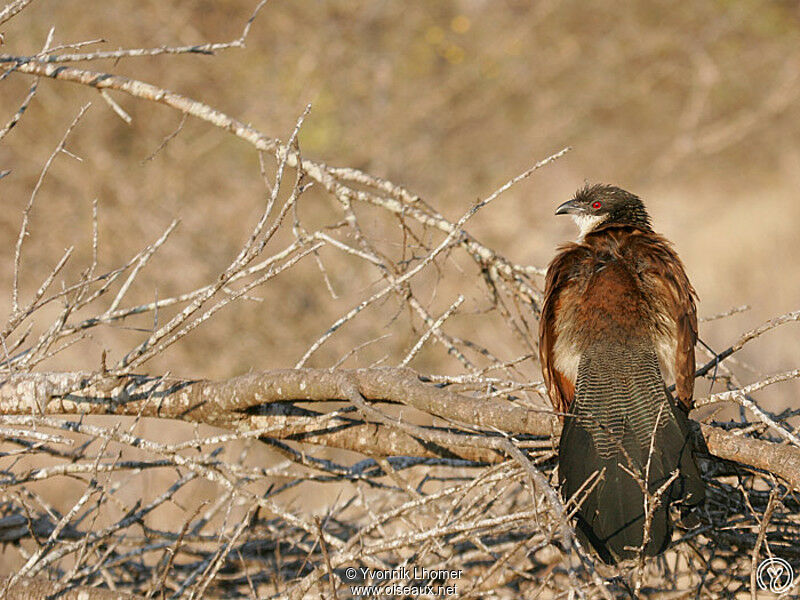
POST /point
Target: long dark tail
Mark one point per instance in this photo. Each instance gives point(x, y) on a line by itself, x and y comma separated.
point(624, 429)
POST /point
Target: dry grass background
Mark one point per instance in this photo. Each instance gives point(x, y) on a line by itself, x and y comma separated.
point(692, 106)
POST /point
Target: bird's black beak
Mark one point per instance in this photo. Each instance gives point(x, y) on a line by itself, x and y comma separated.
point(570, 207)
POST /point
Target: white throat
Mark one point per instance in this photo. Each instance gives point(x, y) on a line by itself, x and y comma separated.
point(587, 223)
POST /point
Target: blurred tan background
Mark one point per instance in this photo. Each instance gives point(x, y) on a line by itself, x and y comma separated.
point(694, 106)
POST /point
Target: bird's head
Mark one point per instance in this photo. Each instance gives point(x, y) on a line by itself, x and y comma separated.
point(599, 206)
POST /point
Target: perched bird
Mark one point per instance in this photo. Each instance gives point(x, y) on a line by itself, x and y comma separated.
point(618, 321)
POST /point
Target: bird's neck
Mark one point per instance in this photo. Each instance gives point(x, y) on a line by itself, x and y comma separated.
point(606, 226)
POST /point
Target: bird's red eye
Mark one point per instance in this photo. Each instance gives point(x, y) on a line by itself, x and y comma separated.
point(596, 204)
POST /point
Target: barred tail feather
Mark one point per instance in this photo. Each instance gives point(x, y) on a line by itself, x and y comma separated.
point(624, 430)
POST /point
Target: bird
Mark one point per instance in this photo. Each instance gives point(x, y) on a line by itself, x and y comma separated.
point(619, 321)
